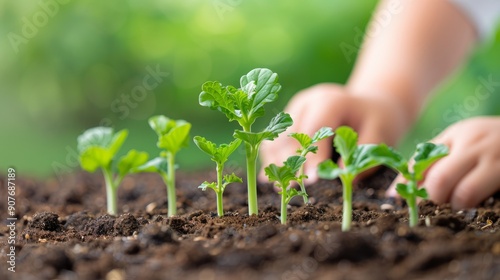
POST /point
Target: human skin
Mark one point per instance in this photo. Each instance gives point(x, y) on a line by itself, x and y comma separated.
point(396, 71)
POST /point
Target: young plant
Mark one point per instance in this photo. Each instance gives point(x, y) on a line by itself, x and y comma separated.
point(98, 147)
point(244, 105)
point(425, 155)
point(173, 135)
point(283, 176)
point(219, 154)
point(306, 146)
point(356, 159)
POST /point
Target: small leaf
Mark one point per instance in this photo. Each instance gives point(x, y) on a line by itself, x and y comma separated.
point(363, 159)
point(261, 86)
point(158, 164)
point(345, 142)
point(161, 124)
point(304, 140)
point(329, 170)
point(130, 161)
point(404, 190)
point(231, 178)
point(216, 97)
point(391, 158)
point(294, 163)
point(176, 138)
point(283, 175)
point(321, 134)
point(206, 185)
point(205, 145)
point(277, 125)
point(98, 146)
point(422, 192)
point(225, 150)
point(425, 155)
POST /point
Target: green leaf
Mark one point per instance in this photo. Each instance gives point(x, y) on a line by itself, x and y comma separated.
point(304, 140)
point(98, 146)
point(283, 175)
point(404, 191)
point(130, 161)
point(231, 178)
point(422, 192)
point(218, 154)
point(329, 170)
point(277, 125)
point(158, 165)
point(161, 124)
point(345, 143)
point(294, 163)
point(206, 185)
point(205, 145)
point(363, 159)
point(391, 158)
point(321, 134)
point(261, 86)
point(176, 137)
point(425, 155)
point(216, 97)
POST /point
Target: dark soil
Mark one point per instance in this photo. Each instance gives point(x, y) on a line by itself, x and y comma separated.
point(63, 232)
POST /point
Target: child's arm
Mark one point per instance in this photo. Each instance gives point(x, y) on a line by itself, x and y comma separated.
point(417, 45)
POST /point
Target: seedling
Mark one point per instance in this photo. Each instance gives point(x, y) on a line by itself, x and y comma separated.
point(425, 155)
point(173, 135)
point(219, 154)
point(306, 143)
point(356, 159)
point(98, 147)
point(245, 105)
point(283, 176)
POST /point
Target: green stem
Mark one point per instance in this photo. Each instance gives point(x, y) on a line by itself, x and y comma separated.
point(412, 205)
point(347, 203)
point(283, 206)
point(301, 184)
point(169, 180)
point(251, 157)
point(111, 193)
point(220, 190)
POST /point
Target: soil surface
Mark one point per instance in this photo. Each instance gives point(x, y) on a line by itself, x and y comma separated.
point(63, 232)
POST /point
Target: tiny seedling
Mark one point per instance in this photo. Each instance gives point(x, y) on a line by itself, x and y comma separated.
point(219, 154)
point(356, 159)
point(244, 105)
point(425, 155)
point(283, 176)
point(98, 147)
point(173, 135)
point(306, 146)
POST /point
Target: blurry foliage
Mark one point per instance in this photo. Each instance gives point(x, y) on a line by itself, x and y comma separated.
point(83, 61)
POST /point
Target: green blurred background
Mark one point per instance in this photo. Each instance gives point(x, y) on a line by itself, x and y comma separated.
point(66, 66)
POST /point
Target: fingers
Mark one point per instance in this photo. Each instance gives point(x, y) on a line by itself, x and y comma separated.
point(480, 183)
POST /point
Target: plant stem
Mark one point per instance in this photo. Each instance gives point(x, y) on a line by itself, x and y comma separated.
point(220, 190)
point(283, 206)
point(169, 180)
point(301, 184)
point(111, 193)
point(347, 201)
point(251, 157)
point(412, 205)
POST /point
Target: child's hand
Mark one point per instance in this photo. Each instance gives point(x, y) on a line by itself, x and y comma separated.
point(471, 172)
point(376, 119)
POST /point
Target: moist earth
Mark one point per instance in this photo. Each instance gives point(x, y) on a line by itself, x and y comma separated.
point(63, 232)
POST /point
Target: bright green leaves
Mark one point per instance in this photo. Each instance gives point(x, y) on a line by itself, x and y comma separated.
point(283, 176)
point(425, 155)
point(128, 163)
point(172, 134)
point(244, 105)
point(345, 142)
point(408, 191)
point(98, 146)
point(306, 142)
point(219, 154)
point(277, 125)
